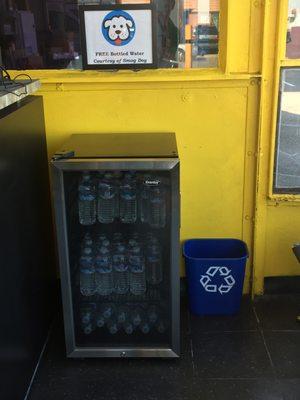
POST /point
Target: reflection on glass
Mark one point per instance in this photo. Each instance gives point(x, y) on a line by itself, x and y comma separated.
point(293, 30)
point(45, 34)
point(199, 33)
point(287, 165)
point(120, 272)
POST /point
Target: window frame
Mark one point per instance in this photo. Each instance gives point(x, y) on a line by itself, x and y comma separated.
point(156, 73)
point(284, 195)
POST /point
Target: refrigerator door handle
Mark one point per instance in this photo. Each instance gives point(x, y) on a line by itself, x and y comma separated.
point(64, 154)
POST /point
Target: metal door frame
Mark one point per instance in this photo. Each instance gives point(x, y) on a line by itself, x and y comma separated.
point(58, 167)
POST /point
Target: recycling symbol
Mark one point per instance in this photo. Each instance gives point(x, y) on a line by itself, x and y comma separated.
point(227, 284)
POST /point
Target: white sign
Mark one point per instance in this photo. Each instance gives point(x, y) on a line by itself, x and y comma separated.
point(118, 37)
point(225, 286)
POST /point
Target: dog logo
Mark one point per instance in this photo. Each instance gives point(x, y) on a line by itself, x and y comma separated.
point(118, 28)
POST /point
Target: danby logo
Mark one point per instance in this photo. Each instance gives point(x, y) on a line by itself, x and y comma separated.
point(152, 183)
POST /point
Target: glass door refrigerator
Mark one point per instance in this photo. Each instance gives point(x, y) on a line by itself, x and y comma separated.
point(117, 209)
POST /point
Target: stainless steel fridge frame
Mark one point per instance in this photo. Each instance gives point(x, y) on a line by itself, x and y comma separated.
point(58, 167)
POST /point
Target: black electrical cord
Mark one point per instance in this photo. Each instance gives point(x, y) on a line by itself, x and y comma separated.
point(28, 76)
point(5, 77)
point(6, 80)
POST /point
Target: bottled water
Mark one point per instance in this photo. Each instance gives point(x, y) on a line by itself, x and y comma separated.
point(113, 326)
point(102, 241)
point(152, 314)
point(89, 328)
point(87, 314)
point(153, 263)
point(117, 239)
point(134, 240)
point(128, 327)
point(144, 199)
point(121, 270)
point(137, 271)
point(145, 326)
point(161, 325)
point(100, 320)
point(107, 194)
point(87, 272)
point(123, 314)
point(107, 310)
point(87, 200)
point(101, 237)
point(128, 200)
point(117, 176)
point(103, 272)
point(137, 316)
point(157, 207)
point(87, 241)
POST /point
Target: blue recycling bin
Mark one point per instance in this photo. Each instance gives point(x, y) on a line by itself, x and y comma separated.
point(215, 270)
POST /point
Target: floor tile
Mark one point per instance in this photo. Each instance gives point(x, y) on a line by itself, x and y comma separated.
point(289, 388)
point(233, 389)
point(284, 348)
point(244, 320)
point(278, 312)
point(222, 358)
point(231, 355)
point(56, 367)
point(116, 388)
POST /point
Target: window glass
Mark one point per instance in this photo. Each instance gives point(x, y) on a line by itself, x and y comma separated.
point(287, 162)
point(293, 30)
point(45, 34)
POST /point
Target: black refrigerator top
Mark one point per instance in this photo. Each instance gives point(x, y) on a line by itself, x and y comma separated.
point(120, 145)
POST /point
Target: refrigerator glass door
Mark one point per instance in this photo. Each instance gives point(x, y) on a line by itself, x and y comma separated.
point(119, 269)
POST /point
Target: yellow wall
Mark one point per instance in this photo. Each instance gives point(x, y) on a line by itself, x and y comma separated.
point(277, 216)
point(222, 119)
point(210, 121)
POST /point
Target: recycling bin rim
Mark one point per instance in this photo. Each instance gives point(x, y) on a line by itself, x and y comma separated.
point(246, 255)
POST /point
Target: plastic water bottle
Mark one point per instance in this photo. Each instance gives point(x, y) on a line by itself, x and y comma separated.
point(145, 326)
point(100, 320)
point(107, 194)
point(101, 237)
point(128, 200)
point(137, 271)
point(157, 206)
point(161, 325)
point(113, 326)
point(118, 239)
point(102, 241)
point(117, 176)
point(87, 315)
point(107, 310)
point(152, 314)
point(128, 327)
point(134, 240)
point(123, 314)
point(121, 269)
point(154, 274)
point(137, 316)
point(87, 200)
point(89, 328)
point(87, 272)
point(144, 199)
point(103, 272)
point(87, 241)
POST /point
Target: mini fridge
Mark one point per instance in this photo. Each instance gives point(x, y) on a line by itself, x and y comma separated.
point(117, 207)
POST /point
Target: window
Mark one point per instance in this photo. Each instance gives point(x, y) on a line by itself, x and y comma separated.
point(44, 34)
point(293, 30)
point(287, 159)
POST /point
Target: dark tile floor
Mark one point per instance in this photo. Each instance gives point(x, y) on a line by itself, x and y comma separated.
point(254, 355)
